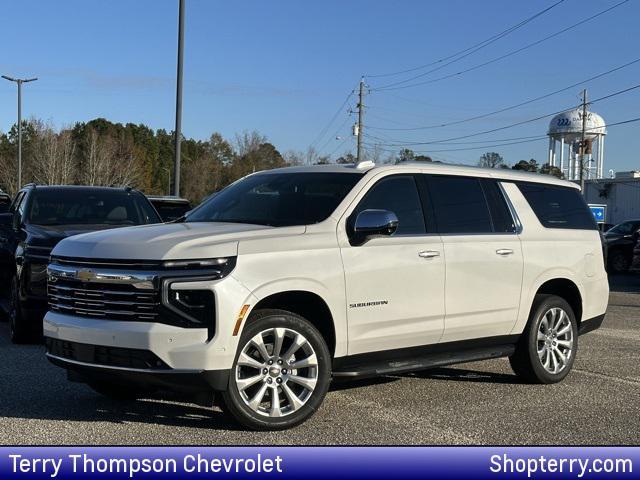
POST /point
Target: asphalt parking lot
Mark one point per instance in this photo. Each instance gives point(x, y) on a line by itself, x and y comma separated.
point(476, 403)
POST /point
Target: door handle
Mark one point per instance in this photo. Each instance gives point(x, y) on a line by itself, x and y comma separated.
point(429, 254)
point(504, 251)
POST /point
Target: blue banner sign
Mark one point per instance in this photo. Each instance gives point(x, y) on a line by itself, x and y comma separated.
point(599, 212)
point(312, 463)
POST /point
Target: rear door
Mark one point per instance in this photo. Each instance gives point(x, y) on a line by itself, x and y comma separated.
point(483, 255)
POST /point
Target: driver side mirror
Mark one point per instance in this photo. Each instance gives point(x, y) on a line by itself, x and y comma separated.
point(17, 220)
point(374, 223)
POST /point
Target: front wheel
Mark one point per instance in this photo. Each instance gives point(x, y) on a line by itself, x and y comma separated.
point(547, 349)
point(20, 331)
point(619, 262)
point(281, 372)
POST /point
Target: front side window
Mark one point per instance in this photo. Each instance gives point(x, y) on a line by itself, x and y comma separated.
point(460, 205)
point(558, 207)
point(626, 228)
point(397, 194)
point(278, 199)
point(82, 207)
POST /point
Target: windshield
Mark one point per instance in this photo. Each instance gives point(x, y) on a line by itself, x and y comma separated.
point(278, 199)
point(85, 207)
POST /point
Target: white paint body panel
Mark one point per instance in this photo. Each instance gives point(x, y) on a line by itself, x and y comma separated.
point(467, 292)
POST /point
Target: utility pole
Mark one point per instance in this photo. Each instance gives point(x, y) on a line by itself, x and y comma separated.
point(178, 132)
point(360, 119)
point(583, 142)
point(19, 81)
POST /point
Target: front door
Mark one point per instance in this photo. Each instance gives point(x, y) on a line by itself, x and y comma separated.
point(394, 284)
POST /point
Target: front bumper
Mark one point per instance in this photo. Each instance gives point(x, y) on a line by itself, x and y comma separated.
point(184, 381)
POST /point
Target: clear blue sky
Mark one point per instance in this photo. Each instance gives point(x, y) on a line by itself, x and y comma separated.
point(284, 67)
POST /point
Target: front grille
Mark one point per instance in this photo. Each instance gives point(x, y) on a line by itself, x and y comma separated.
point(106, 356)
point(101, 300)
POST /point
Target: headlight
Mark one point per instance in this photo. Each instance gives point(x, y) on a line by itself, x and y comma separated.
point(196, 263)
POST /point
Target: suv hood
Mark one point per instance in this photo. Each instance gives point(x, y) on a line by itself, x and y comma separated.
point(168, 241)
point(50, 235)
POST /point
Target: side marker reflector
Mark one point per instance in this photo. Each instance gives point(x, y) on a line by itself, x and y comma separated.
point(241, 315)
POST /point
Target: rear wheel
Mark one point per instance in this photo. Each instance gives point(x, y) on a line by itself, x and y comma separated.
point(619, 262)
point(547, 349)
point(281, 373)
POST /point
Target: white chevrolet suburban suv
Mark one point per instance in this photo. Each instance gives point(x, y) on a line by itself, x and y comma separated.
point(293, 277)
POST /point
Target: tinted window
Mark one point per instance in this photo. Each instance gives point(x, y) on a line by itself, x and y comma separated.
point(170, 210)
point(397, 194)
point(85, 207)
point(501, 217)
point(5, 203)
point(626, 228)
point(558, 207)
point(278, 199)
point(459, 204)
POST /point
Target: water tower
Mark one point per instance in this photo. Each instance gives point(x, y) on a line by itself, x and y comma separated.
point(565, 129)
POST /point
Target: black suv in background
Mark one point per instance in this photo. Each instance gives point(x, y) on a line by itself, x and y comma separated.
point(38, 218)
point(5, 202)
point(621, 241)
point(170, 208)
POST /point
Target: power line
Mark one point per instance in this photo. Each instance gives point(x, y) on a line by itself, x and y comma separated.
point(481, 147)
point(472, 49)
point(324, 131)
point(511, 107)
point(505, 127)
point(401, 84)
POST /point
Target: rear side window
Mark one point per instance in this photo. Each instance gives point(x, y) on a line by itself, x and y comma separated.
point(460, 205)
point(500, 215)
point(558, 207)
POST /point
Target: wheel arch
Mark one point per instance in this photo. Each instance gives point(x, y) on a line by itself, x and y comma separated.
point(309, 305)
point(565, 289)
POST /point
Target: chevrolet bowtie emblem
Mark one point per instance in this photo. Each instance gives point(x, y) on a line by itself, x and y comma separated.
point(85, 275)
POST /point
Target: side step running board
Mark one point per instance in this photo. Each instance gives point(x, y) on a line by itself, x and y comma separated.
point(362, 369)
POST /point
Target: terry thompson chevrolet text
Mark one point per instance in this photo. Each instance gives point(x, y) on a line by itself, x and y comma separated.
point(290, 278)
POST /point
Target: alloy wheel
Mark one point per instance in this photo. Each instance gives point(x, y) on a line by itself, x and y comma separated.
point(555, 342)
point(276, 372)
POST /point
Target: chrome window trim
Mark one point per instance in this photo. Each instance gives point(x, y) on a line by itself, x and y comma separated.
point(512, 210)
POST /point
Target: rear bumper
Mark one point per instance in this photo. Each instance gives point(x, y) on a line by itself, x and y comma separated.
point(590, 324)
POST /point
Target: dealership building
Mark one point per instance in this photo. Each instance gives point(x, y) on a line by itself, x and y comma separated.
point(620, 196)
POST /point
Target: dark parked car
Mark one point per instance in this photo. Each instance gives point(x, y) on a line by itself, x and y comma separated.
point(621, 241)
point(5, 202)
point(41, 216)
point(170, 208)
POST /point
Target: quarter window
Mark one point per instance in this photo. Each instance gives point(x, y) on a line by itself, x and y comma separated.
point(397, 194)
point(460, 205)
point(558, 207)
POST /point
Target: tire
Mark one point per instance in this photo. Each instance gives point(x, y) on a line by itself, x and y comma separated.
point(117, 392)
point(20, 330)
point(619, 262)
point(550, 335)
point(299, 392)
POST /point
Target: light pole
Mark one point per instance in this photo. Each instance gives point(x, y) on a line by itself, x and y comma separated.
point(176, 163)
point(19, 81)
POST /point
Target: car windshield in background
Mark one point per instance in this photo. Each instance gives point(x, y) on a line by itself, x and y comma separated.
point(170, 211)
point(83, 207)
point(278, 199)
